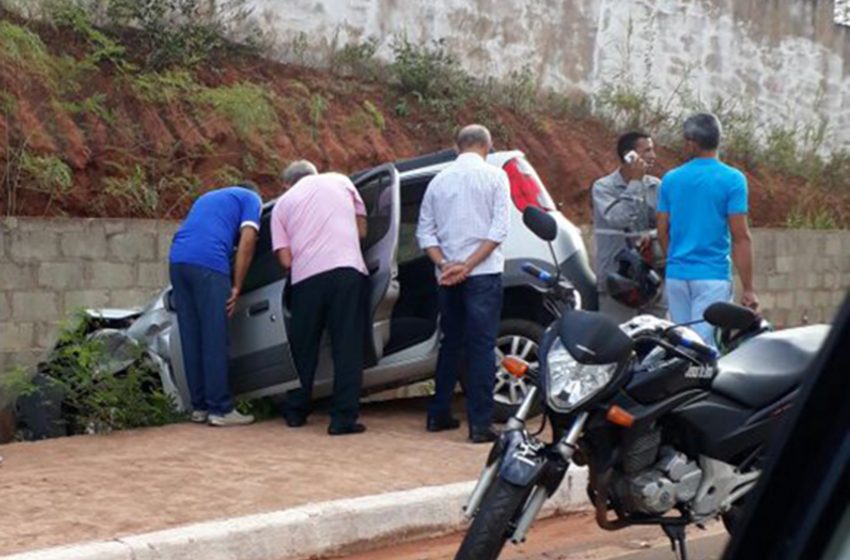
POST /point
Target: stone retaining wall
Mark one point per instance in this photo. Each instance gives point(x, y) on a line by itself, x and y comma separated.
point(50, 267)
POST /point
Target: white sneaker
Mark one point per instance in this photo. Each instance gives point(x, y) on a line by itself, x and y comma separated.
point(232, 418)
point(200, 416)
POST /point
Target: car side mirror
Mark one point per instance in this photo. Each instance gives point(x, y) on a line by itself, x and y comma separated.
point(540, 223)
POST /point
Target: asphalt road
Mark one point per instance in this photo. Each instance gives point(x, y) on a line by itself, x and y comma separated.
point(575, 537)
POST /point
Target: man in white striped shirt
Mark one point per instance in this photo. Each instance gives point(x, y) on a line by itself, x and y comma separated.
point(463, 221)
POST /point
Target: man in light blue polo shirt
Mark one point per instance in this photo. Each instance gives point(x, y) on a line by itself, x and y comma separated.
point(702, 222)
point(199, 266)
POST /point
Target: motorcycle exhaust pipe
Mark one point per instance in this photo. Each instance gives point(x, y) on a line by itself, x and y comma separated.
point(488, 475)
point(529, 514)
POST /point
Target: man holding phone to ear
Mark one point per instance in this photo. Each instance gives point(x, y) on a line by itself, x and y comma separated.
point(624, 204)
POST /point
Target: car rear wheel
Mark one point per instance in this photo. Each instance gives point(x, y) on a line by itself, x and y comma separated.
point(517, 339)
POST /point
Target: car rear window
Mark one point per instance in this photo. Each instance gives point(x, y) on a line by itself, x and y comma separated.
point(526, 187)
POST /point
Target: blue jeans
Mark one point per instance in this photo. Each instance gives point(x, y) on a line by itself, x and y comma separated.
point(200, 295)
point(688, 300)
point(469, 322)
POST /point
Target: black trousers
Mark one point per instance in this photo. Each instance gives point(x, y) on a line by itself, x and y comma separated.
point(332, 299)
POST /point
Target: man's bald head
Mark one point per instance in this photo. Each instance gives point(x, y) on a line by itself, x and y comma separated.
point(474, 138)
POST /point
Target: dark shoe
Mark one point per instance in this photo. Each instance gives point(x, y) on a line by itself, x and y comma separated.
point(294, 421)
point(483, 435)
point(356, 428)
point(442, 424)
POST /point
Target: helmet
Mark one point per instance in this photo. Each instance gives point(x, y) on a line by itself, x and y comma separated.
point(635, 283)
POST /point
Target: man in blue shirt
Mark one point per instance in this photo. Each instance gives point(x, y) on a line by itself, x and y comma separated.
point(200, 272)
point(700, 204)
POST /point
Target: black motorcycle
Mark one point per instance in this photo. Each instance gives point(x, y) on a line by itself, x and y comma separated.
point(671, 433)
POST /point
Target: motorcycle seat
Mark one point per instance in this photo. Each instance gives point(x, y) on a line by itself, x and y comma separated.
point(767, 367)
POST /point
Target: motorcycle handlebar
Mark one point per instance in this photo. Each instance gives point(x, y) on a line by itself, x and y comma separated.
point(698, 347)
point(538, 273)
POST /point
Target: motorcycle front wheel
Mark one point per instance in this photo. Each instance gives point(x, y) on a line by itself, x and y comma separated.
point(494, 522)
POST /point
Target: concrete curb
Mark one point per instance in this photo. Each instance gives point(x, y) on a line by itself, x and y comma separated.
point(308, 531)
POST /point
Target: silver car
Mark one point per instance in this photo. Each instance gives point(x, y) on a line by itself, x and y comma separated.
point(403, 343)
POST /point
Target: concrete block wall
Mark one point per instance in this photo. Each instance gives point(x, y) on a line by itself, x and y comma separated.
point(50, 267)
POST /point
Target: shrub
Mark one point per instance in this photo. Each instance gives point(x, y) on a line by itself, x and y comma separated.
point(822, 218)
point(377, 117)
point(519, 91)
point(247, 106)
point(15, 382)
point(164, 87)
point(430, 74)
point(135, 193)
point(24, 48)
point(77, 17)
point(356, 59)
point(46, 173)
point(97, 398)
point(185, 32)
point(318, 106)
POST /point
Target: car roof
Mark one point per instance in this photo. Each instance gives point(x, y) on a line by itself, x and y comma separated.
point(428, 164)
point(435, 161)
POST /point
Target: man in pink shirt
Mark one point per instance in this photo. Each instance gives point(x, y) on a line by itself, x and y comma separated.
point(316, 229)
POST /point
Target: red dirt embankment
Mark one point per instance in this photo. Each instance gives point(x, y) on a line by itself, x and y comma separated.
point(136, 149)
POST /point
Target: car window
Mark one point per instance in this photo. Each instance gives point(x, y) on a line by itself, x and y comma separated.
point(412, 192)
point(377, 196)
point(264, 269)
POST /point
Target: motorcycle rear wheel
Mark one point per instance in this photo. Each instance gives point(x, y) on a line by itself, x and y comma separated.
point(493, 523)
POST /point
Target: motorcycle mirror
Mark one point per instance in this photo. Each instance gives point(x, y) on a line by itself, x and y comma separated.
point(540, 223)
point(730, 316)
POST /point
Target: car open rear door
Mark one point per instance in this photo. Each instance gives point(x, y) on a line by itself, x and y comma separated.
point(379, 189)
point(260, 358)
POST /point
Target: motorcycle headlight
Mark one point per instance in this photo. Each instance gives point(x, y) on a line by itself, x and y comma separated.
point(571, 383)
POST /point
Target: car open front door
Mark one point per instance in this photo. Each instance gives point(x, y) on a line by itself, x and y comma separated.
point(260, 359)
point(379, 189)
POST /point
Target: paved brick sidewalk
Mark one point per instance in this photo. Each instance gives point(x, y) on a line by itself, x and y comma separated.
point(99, 487)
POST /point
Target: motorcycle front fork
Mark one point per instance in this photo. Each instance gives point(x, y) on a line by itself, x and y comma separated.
point(565, 448)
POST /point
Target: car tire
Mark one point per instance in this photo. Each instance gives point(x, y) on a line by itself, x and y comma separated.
point(519, 338)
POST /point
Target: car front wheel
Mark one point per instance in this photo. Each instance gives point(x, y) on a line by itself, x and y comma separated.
point(517, 339)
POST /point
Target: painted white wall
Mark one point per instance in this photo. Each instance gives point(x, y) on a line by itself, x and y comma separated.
point(788, 61)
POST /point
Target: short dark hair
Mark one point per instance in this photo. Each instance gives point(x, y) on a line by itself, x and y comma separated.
point(704, 130)
point(250, 185)
point(628, 142)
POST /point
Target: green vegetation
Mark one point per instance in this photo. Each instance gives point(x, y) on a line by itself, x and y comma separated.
point(96, 397)
point(819, 218)
point(154, 48)
point(164, 87)
point(94, 104)
point(14, 383)
point(356, 59)
point(318, 107)
point(106, 382)
point(430, 75)
point(246, 105)
point(519, 91)
point(46, 173)
point(375, 114)
point(185, 32)
point(134, 192)
point(24, 48)
point(76, 17)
